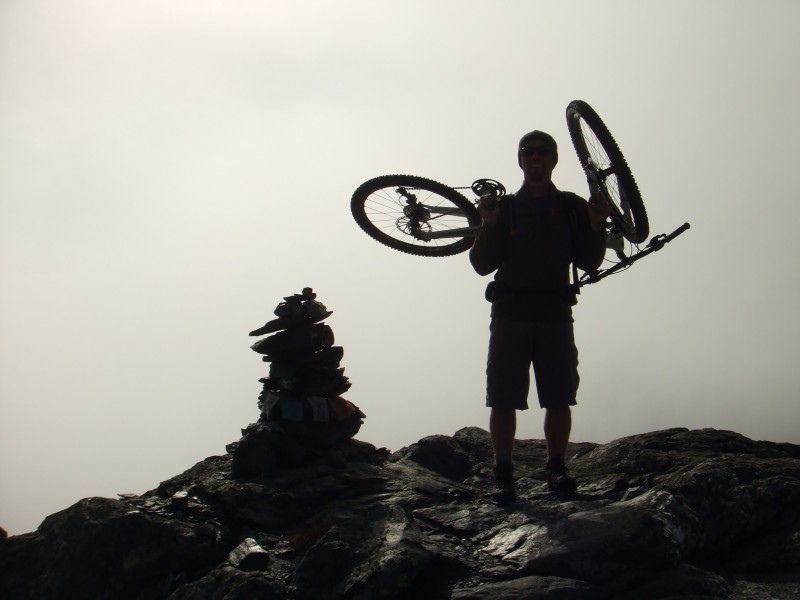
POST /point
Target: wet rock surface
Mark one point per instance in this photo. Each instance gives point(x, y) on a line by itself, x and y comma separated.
point(668, 514)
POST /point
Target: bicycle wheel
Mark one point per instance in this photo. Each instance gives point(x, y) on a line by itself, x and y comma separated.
point(600, 157)
point(415, 215)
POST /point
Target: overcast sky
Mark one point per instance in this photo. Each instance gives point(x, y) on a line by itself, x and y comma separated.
point(169, 170)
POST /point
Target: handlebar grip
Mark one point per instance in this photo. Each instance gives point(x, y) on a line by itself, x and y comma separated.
point(678, 231)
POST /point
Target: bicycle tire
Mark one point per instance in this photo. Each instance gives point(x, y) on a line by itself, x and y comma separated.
point(385, 214)
point(594, 143)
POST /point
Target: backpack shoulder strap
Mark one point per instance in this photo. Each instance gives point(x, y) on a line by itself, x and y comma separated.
point(572, 216)
point(572, 210)
point(507, 212)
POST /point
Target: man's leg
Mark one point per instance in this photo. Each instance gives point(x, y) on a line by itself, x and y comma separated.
point(557, 427)
point(555, 364)
point(503, 428)
point(507, 382)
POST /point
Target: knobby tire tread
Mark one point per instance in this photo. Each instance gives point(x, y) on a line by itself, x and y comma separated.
point(641, 228)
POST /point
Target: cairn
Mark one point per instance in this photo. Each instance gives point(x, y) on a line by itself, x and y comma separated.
point(301, 404)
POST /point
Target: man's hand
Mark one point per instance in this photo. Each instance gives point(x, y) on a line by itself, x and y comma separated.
point(489, 208)
point(599, 211)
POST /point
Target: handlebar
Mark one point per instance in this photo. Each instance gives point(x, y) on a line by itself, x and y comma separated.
point(658, 241)
point(655, 244)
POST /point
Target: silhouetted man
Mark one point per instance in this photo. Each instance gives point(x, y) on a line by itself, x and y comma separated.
point(530, 239)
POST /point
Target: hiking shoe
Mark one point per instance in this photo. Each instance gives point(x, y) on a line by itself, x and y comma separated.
point(558, 480)
point(504, 490)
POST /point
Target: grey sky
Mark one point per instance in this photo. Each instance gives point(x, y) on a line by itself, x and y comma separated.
point(170, 170)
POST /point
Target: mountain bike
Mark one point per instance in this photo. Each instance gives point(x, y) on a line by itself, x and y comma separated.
point(423, 217)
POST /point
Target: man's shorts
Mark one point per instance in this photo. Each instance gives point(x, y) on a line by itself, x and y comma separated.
point(514, 346)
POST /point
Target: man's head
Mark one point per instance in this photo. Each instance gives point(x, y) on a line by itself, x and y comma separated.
point(537, 156)
point(530, 142)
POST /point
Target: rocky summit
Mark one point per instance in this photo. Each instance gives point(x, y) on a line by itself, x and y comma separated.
point(669, 514)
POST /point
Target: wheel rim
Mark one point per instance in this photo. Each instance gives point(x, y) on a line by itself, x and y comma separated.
point(599, 163)
point(403, 213)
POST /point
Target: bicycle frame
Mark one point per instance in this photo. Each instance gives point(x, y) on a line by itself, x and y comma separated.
point(460, 232)
point(419, 214)
point(654, 245)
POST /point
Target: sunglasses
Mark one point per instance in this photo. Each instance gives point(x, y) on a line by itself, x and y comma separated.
point(534, 150)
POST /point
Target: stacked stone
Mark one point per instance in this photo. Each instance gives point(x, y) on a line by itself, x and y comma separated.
point(305, 380)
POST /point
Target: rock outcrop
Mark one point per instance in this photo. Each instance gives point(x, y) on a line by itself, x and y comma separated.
point(668, 514)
